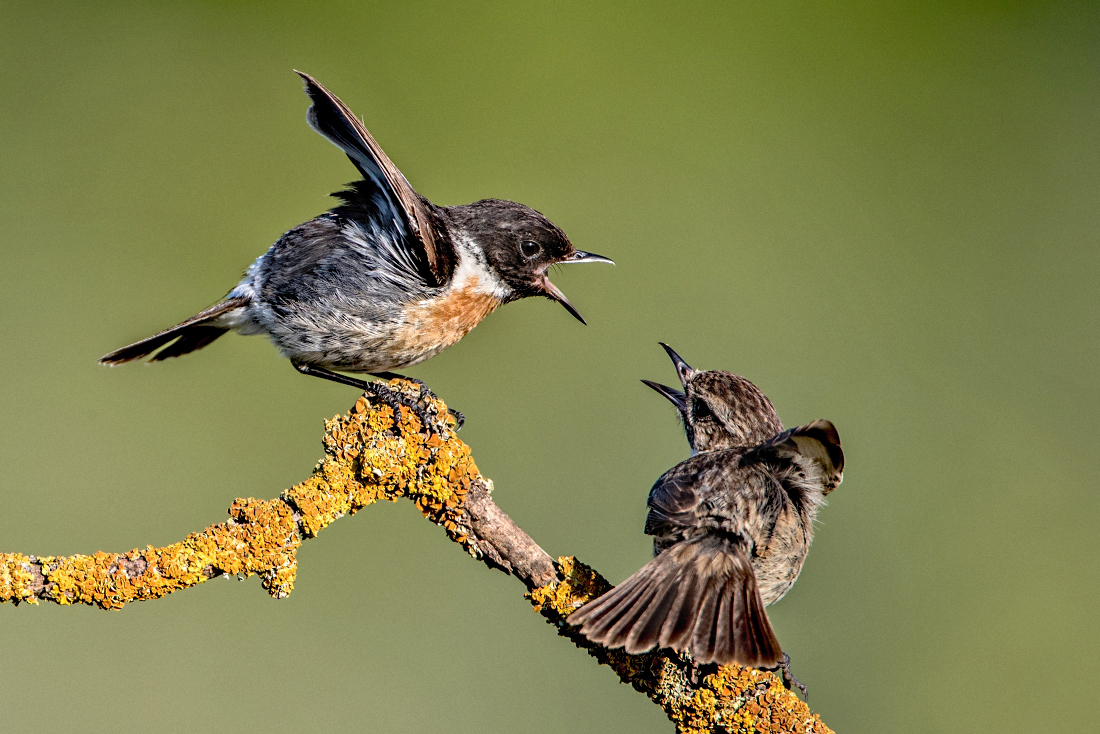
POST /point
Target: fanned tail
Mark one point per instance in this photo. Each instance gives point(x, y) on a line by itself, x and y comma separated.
point(699, 596)
point(194, 333)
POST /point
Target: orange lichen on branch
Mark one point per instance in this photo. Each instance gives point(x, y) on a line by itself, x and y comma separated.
point(711, 698)
point(370, 454)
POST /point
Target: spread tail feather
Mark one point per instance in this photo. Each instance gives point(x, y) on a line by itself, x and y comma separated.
point(194, 333)
point(699, 595)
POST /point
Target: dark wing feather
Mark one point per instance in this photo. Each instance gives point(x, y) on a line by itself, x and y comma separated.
point(332, 119)
point(679, 499)
point(814, 448)
point(671, 501)
point(700, 595)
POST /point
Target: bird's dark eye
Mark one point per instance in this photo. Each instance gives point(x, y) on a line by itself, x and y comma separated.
point(529, 248)
point(700, 410)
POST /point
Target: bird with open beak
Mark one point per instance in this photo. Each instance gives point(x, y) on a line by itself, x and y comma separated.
point(731, 527)
point(384, 280)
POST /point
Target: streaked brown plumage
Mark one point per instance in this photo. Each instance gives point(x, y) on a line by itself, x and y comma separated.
point(731, 528)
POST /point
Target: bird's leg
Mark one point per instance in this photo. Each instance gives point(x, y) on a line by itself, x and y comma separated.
point(314, 371)
point(784, 670)
point(460, 419)
point(700, 671)
point(695, 671)
point(384, 394)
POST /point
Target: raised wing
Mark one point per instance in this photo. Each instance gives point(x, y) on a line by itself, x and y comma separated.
point(814, 449)
point(408, 210)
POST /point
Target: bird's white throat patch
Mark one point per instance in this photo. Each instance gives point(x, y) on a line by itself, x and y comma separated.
point(473, 269)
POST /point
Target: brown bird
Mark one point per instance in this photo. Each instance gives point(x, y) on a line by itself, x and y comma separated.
point(731, 528)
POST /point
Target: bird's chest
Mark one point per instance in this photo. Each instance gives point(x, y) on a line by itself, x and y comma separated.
point(436, 323)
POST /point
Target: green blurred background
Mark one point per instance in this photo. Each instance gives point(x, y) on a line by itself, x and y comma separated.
point(884, 214)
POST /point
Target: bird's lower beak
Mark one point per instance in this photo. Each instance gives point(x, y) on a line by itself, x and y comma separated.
point(580, 256)
point(677, 398)
point(683, 369)
point(552, 291)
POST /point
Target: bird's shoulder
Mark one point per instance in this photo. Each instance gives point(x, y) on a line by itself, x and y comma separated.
point(366, 217)
point(337, 255)
point(696, 488)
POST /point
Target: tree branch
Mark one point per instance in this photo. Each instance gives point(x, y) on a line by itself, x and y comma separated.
point(373, 454)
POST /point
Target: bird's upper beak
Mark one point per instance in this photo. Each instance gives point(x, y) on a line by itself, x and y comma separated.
point(677, 398)
point(683, 369)
point(578, 256)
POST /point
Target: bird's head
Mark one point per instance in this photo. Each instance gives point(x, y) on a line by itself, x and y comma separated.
point(719, 409)
point(520, 245)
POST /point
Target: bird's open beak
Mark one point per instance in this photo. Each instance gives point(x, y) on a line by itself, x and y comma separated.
point(683, 369)
point(551, 290)
point(580, 256)
point(677, 398)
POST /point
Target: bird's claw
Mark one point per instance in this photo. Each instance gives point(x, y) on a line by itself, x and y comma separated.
point(783, 669)
point(426, 395)
point(395, 399)
point(460, 419)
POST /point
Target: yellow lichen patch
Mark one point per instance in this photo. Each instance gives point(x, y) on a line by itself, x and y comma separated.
point(580, 584)
point(371, 453)
point(746, 700)
point(261, 538)
point(16, 579)
point(392, 458)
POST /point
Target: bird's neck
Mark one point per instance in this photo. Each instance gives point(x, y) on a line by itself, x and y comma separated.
point(474, 275)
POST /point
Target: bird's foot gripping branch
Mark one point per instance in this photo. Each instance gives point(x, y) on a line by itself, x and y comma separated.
point(375, 453)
